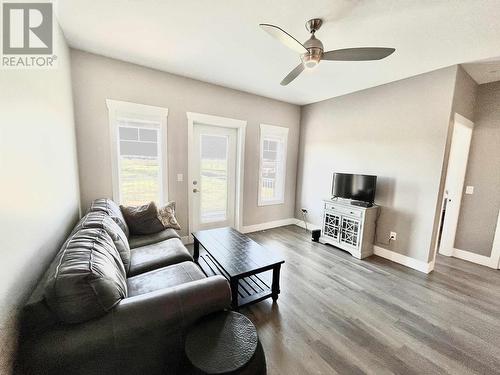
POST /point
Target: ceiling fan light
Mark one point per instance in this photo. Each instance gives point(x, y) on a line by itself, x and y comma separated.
point(310, 61)
point(311, 64)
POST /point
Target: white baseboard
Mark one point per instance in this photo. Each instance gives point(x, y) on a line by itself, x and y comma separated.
point(187, 240)
point(493, 261)
point(310, 226)
point(384, 253)
point(404, 260)
point(268, 225)
point(475, 258)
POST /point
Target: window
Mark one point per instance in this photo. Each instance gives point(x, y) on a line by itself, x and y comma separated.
point(137, 149)
point(273, 144)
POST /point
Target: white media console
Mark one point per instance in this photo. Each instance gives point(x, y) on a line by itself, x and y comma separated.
point(349, 227)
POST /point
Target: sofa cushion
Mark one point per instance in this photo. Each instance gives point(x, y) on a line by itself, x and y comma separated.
point(112, 209)
point(104, 221)
point(161, 254)
point(88, 278)
point(165, 277)
point(148, 239)
point(142, 219)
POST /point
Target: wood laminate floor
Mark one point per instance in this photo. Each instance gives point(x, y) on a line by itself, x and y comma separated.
point(337, 314)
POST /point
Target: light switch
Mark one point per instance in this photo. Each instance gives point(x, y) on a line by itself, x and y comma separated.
point(469, 190)
point(180, 177)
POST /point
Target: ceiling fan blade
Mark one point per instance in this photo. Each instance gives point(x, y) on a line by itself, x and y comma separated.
point(292, 75)
point(358, 54)
point(283, 37)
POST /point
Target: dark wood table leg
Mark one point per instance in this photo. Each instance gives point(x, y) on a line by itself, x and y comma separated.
point(196, 252)
point(275, 288)
point(234, 293)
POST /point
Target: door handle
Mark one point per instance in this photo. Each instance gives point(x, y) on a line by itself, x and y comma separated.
point(195, 190)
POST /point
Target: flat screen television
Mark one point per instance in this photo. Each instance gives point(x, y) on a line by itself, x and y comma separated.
point(357, 187)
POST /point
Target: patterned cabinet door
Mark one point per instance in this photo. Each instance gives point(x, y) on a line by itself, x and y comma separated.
point(331, 225)
point(351, 229)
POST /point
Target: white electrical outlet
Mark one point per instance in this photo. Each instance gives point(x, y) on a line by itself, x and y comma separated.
point(469, 190)
point(393, 236)
point(180, 177)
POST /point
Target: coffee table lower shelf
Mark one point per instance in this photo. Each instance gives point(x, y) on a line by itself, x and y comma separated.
point(251, 289)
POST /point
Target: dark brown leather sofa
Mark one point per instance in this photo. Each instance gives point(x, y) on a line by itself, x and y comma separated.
point(109, 304)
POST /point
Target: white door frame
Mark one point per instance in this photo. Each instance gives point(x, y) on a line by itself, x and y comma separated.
point(492, 261)
point(446, 246)
point(495, 251)
point(225, 122)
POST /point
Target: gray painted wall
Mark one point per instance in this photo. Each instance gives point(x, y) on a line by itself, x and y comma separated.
point(479, 212)
point(397, 131)
point(39, 191)
point(464, 98)
point(97, 78)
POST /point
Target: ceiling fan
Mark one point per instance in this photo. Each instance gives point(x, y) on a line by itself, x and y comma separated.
point(311, 52)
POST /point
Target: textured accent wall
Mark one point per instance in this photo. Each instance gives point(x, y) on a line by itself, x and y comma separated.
point(39, 191)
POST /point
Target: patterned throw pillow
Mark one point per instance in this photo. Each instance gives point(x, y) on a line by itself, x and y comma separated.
point(166, 214)
point(148, 219)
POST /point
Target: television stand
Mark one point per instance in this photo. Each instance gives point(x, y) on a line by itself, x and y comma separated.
point(349, 227)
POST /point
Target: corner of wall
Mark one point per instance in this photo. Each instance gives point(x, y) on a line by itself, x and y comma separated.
point(462, 101)
point(40, 207)
point(298, 188)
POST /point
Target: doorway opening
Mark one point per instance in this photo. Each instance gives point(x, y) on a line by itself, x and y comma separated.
point(454, 184)
point(215, 171)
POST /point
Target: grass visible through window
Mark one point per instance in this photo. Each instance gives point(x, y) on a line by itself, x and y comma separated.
point(213, 189)
point(139, 181)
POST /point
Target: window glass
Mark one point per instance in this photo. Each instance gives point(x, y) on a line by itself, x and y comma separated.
point(272, 164)
point(140, 177)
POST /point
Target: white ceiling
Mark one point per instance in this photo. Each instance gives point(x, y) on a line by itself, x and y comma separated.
point(219, 41)
point(484, 71)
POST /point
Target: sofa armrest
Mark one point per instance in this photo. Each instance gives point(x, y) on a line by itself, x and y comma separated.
point(177, 307)
point(142, 334)
point(149, 329)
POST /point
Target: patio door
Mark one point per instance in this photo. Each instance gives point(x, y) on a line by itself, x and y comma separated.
point(213, 166)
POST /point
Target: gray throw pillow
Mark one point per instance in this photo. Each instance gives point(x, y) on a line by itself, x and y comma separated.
point(142, 219)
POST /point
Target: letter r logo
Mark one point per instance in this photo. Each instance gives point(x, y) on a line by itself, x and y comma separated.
point(27, 28)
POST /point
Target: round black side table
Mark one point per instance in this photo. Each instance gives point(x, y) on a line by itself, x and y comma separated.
point(225, 343)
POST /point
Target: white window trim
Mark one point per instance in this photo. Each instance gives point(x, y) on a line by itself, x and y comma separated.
point(118, 106)
point(281, 132)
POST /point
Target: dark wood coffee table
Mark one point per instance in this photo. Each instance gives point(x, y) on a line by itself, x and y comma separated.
point(240, 260)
